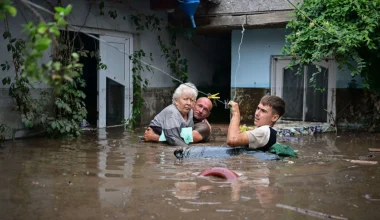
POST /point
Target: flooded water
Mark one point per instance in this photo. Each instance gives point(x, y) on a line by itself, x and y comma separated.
point(108, 174)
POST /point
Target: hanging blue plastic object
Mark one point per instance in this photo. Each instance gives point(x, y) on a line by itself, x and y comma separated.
point(189, 7)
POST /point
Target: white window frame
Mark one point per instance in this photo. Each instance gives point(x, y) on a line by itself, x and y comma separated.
point(278, 63)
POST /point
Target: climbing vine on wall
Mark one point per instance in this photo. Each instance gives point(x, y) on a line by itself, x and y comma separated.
point(139, 85)
point(177, 64)
point(62, 72)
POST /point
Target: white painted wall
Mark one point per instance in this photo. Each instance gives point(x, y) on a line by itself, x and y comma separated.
point(255, 53)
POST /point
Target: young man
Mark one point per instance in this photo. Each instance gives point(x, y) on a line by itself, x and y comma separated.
point(270, 109)
point(202, 129)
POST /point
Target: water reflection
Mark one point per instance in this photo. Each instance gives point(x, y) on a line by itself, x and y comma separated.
point(258, 178)
point(115, 168)
point(109, 174)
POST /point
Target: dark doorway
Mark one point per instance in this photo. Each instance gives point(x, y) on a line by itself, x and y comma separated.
point(114, 103)
point(221, 80)
point(82, 42)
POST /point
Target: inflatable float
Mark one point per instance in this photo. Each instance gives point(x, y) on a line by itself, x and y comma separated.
point(220, 172)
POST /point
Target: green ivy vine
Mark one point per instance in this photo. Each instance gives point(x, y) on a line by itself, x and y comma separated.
point(62, 73)
point(139, 85)
point(177, 64)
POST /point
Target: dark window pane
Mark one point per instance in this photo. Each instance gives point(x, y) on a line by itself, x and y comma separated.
point(316, 100)
point(293, 94)
point(114, 103)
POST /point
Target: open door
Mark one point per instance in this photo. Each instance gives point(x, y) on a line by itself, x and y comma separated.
point(115, 90)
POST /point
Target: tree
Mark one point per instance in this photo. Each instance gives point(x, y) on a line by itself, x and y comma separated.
point(346, 30)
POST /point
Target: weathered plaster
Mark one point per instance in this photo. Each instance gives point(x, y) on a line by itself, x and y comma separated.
point(248, 99)
point(244, 7)
point(156, 99)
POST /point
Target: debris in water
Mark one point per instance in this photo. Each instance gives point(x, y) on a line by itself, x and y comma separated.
point(290, 162)
point(374, 149)
point(369, 197)
point(224, 210)
point(188, 210)
point(363, 162)
point(205, 203)
point(311, 213)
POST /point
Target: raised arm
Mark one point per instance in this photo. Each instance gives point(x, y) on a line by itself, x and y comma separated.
point(235, 138)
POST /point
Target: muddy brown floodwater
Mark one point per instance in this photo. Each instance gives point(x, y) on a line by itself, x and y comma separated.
point(108, 174)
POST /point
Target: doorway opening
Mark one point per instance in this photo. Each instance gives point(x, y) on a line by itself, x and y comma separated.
point(82, 42)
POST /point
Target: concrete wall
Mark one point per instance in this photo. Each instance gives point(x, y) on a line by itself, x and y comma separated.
point(199, 51)
point(244, 6)
point(216, 52)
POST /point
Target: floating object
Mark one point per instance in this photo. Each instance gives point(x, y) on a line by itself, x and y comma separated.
point(311, 213)
point(220, 172)
point(222, 152)
point(374, 149)
point(189, 7)
point(363, 162)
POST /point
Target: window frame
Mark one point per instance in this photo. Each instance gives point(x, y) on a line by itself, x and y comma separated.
point(278, 63)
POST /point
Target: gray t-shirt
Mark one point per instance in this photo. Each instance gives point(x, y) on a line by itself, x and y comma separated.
point(171, 122)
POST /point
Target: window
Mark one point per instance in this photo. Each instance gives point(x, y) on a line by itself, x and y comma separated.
point(303, 102)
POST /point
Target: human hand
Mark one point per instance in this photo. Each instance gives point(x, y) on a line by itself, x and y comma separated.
point(149, 135)
point(234, 107)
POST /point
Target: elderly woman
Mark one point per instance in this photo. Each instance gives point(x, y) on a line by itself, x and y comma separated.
point(176, 118)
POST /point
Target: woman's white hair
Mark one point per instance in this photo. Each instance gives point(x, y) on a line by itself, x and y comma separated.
point(185, 88)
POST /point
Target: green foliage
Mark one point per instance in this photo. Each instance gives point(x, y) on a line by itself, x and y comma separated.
point(139, 85)
point(101, 7)
point(346, 30)
point(40, 37)
point(177, 64)
point(146, 22)
point(112, 13)
point(62, 73)
point(31, 109)
point(170, 52)
point(6, 7)
point(70, 109)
